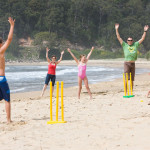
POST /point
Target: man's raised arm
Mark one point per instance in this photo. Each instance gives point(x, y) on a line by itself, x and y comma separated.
point(10, 35)
point(117, 33)
point(144, 34)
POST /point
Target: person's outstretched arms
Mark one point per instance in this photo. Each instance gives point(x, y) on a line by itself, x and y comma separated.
point(144, 34)
point(47, 50)
point(117, 33)
point(10, 35)
point(88, 56)
point(73, 56)
point(60, 58)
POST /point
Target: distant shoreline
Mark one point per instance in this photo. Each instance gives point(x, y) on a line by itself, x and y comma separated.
point(140, 63)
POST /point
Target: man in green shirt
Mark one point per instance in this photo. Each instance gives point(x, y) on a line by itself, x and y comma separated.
point(130, 51)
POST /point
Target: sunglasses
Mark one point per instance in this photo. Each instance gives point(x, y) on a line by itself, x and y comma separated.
point(130, 40)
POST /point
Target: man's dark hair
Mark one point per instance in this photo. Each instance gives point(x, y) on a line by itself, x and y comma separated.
point(1, 40)
point(130, 37)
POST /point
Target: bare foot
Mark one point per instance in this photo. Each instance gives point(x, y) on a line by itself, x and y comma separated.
point(9, 121)
point(148, 94)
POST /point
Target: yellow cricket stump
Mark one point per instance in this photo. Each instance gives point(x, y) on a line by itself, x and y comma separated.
point(131, 84)
point(57, 102)
point(124, 85)
point(127, 83)
point(126, 91)
point(51, 115)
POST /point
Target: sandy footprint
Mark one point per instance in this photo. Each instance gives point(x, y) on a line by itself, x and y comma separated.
point(14, 125)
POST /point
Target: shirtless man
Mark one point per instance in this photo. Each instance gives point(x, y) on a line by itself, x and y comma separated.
point(4, 88)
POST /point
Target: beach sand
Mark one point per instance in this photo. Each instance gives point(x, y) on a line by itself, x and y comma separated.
point(108, 122)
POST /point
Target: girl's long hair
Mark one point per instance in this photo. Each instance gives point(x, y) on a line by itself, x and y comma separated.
point(81, 56)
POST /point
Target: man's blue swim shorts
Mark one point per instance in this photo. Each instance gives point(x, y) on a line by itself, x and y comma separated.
point(4, 89)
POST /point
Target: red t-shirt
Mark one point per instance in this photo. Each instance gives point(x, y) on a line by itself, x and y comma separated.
point(51, 69)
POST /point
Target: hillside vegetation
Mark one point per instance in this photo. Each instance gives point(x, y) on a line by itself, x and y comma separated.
point(78, 24)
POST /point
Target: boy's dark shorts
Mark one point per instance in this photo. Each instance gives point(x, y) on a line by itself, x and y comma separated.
point(4, 89)
point(129, 67)
point(50, 77)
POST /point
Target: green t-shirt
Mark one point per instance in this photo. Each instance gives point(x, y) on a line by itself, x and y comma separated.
point(130, 51)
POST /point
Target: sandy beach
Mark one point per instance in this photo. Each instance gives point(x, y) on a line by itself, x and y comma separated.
point(108, 122)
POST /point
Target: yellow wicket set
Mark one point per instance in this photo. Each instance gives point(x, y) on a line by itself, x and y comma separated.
point(126, 91)
point(51, 121)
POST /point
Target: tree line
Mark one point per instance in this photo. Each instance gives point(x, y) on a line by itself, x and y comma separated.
point(81, 22)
